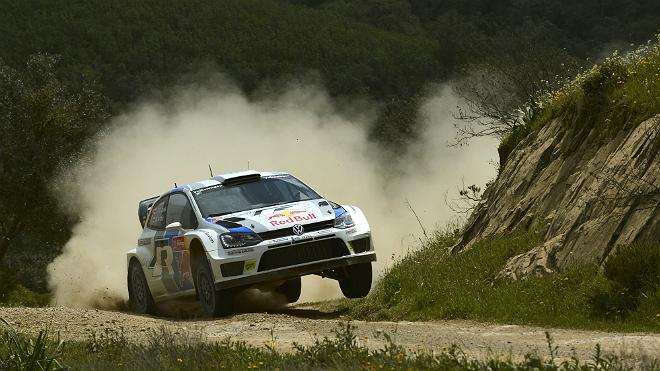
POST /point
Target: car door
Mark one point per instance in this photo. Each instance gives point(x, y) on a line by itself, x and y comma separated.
point(148, 249)
point(173, 254)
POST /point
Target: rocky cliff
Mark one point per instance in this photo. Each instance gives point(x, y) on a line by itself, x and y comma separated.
point(582, 191)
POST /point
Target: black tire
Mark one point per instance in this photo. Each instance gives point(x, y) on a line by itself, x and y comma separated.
point(215, 303)
point(291, 289)
point(139, 296)
point(357, 282)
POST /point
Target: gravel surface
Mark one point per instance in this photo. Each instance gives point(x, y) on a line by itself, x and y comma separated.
point(304, 324)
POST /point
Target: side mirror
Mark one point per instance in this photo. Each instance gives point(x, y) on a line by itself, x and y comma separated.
point(174, 227)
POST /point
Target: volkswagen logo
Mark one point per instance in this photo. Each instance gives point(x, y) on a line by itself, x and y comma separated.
point(298, 229)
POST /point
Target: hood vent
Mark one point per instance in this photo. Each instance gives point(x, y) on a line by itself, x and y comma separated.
point(227, 224)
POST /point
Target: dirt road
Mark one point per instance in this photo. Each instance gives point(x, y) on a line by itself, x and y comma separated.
point(305, 324)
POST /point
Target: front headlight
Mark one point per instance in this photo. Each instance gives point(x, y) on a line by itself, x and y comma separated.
point(239, 239)
point(344, 221)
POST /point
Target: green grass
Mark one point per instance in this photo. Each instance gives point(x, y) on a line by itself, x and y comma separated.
point(616, 95)
point(432, 285)
point(166, 351)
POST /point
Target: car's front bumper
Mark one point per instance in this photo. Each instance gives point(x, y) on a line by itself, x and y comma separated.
point(297, 270)
point(283, 258)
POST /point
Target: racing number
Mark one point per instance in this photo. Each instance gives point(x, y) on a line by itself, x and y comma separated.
point(166, 257)
point(163, 254)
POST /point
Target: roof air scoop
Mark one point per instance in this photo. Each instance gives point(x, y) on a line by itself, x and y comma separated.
point(238, 178)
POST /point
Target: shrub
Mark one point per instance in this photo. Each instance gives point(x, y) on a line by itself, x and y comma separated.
point(7, 284)
point(602, 80)
point(633, 274)
point(13, 293)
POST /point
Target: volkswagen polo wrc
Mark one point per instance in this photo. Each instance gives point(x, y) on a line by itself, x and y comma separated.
point(213, 238)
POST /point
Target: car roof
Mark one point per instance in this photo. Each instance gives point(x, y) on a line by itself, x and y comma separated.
point(219, 179)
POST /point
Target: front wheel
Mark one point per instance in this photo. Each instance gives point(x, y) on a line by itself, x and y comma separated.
point(357, 282)
point(139, 295)
point(215, 302)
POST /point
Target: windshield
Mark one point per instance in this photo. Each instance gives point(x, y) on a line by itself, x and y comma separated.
point(267, 191)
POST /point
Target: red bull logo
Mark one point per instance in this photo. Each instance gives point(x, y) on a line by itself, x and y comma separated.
point(286, 214)
point(290, 216)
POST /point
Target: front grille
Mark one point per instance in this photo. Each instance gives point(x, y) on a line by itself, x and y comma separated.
point(361, 245)
point(284, 232)
point(302, 253)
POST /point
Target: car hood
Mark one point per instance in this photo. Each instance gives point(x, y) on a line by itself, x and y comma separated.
point(277, 217)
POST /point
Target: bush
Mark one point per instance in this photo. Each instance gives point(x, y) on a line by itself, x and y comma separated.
point(15, 294)
point(633, 275)
point(7, 284)
point(602, 80)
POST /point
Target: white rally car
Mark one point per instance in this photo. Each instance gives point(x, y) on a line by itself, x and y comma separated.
point(249, 229)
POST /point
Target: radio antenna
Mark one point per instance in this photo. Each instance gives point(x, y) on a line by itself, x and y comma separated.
point(248, 164)
point(211, 170)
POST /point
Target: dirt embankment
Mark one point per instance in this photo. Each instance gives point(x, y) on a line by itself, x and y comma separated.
point(305, 324)
point(582, 193)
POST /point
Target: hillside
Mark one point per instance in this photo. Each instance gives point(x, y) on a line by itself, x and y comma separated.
point(587, 177)
point(569, 232)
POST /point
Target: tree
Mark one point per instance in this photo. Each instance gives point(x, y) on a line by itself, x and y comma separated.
point(43, 123)
point(505, 89)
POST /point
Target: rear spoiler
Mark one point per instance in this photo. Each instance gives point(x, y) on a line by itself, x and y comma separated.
point(143, 209)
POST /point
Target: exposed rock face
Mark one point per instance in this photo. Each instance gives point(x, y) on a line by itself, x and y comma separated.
point(584, 196)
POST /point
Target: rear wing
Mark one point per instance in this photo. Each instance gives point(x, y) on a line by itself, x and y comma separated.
point(143, 209)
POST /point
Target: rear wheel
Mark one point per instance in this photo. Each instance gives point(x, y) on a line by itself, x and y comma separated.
point(139, 295)
point(357, 282)
point(214, 302)
point(291, 289)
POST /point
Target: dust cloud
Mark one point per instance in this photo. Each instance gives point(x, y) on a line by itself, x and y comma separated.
point(300, 130)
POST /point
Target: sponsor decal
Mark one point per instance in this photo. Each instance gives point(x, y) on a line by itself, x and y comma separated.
point(281, 239)
point(290, 216)
point(181, 264)
point(160, 252)
point(204, 190)
point(239, 251)
point(178, 243)
point(324, 232)
point(250, 265)
point(209, 236)
point(172, 255)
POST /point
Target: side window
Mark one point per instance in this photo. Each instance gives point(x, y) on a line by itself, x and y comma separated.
point(180, 210)
point(157, 219)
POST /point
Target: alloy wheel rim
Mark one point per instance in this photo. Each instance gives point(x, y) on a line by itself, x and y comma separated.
point(138, 285)
point(206, 290)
